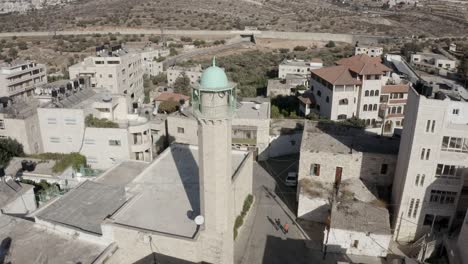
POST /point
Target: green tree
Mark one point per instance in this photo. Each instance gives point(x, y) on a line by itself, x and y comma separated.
point(13, 53)
point(182, 85)
point(410, 48)
point(330, 44)
point(22, 45)
point(159, 79)
point(9, 148)
point(168, 107)
point(275, 112)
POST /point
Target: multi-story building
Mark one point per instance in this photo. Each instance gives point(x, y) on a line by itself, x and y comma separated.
point(193, 73)
point(18, 79)
point(98, 125)
point(428, 61)
point(151, 59)
point(117, 70)
point(392, 107)
point(298, 67)
point(370, 51)
point(350, 89)
point(429, 182)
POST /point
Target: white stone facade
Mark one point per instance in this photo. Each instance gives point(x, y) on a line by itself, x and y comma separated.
point(358, 243)
point(151, 60)
point(298, 67)
point(193, 73)
point(429, 174)
point(431, 60)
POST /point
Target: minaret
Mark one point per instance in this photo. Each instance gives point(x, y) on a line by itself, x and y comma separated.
point(213, 102)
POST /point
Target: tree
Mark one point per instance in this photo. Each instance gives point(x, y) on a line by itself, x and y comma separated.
point(9, 148)
point(159, 79)
point(22, 45)
point(330, 44)
point(275, 112)
point(182, 85)
point(168, 107)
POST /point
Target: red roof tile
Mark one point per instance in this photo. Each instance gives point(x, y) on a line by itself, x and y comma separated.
point(336, 75)
point(398, 88)
point(364, 65)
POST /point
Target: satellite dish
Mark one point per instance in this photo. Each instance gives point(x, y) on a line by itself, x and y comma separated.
point(257, 106)
point(199, 220)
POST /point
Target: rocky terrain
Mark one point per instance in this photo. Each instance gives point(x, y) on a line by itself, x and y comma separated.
point(432, 18)
point(9, 6)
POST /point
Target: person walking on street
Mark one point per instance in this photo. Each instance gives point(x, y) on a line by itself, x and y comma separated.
point(286, 228)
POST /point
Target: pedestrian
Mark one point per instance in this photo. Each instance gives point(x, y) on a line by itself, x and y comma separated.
point(286, 228)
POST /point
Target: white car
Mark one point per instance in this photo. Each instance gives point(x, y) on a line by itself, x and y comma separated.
point(291, 179)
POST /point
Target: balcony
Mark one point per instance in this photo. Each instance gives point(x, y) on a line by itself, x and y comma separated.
point(244, 141)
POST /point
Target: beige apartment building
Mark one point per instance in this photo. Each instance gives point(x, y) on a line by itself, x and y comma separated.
point(193, 73)
point(19, 78)
point(368, 50)
point(116, 70)
point(298, 67)
point(430, 181)
point(151, 60)
point(392, 107)
point(350, 89)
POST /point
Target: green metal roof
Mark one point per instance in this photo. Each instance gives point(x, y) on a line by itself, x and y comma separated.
point(214, 78)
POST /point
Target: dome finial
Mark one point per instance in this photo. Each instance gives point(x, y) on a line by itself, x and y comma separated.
point(214, 61)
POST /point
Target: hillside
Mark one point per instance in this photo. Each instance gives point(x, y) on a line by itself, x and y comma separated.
point(431, 18)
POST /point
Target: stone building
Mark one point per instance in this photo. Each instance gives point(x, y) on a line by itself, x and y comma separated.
point(368, 50)
point(114, 69)
point(392, 107)
point(19, 79)
point(331, 154)
point(430, 190)
point(193, 73)
point(298, 67)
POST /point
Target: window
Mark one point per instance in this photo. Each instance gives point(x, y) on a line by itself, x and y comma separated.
point(91, 160)
point(89, 141)
point(315, 169)
point(70, 121)
point(455, 144)
point(455, 111)
point(327, 99)
point(423, 153)
point(422, 179)
point(375, 107)
point(180, 130)
point(428, 219)
point(51, 121)
point(376, 92)
point(428, 152)
point(355, 243)
point(113, 142)
point(448, 171)
point(410, 210)
point(342, 117)
point(384, 169)
point(442, 197)
point(343, 102)
point(371, 93)
point(417, 180)
point(366, 93)
point(2, 124)
point(365, 107)
point(416, 207)
point(54, 140)
point(319, 93)
point(430, 126)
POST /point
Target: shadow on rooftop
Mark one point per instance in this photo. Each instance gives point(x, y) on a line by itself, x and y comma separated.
point(187, 168)
point(4, 249)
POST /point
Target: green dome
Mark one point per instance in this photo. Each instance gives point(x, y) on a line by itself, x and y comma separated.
point(214, 78)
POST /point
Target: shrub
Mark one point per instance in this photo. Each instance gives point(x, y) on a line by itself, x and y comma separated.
point(300, 48)
point(92, 121)
point(240, 218)
point(63, 161)
point(330, 44)
point(168, 107)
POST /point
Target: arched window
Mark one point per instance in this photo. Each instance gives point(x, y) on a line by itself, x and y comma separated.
point(375, 107)
point(372, 93)
point(399, 110)
point(365, 107)
point(319, 93)
point(393, 110)
point(343, 101)
point(373, 121)
point(327, 99)
point(367, 122)
point(366, 93)
point(376, 92)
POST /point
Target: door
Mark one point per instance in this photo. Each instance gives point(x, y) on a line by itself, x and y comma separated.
point(338, 172)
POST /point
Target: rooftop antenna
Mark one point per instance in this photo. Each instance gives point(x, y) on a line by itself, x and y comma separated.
point(214, 61)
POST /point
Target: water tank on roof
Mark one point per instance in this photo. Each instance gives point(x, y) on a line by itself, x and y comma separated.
point(257, 106)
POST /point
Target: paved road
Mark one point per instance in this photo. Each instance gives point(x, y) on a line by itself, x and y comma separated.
point(350, 38)
point(259, 241)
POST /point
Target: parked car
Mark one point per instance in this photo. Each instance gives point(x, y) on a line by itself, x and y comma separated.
point(291, 179)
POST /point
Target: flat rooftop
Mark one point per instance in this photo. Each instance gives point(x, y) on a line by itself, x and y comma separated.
point(301, 63)
point(253, 108)
point(43, 167)
point(443, 88)
point(10, 190)
point(28, 242)
point(85, 207)
point(76, 100)
point(358, 209)
point(123, 173)
point(167, 193)
point(433, 55)
point(335, 138)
